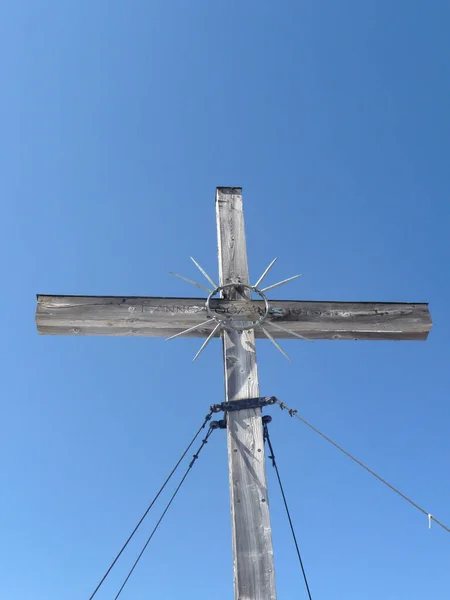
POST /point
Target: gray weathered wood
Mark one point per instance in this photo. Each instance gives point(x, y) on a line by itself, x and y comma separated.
point(254, 576)
point(91, 315)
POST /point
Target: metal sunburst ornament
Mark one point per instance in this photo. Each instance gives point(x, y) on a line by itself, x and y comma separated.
point(226, 322)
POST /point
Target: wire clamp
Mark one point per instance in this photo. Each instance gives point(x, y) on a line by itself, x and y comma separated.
point(222, 424)
point(292, 412)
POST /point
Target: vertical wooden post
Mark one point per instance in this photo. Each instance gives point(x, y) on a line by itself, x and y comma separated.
point(254, 575)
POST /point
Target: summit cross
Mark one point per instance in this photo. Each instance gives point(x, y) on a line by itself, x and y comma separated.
point(237, 318)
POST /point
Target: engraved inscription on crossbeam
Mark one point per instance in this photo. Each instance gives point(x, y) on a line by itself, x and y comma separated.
point(173, 309)
point(245, 311)
point(250, 309)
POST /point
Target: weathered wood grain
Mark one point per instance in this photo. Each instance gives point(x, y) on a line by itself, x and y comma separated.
point(254, 576)
point(140, 316)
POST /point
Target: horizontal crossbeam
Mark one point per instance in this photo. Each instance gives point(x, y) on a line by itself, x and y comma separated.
point(164, 317)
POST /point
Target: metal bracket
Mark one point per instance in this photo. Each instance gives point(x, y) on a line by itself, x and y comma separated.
point(222, 424)
point(243, 404)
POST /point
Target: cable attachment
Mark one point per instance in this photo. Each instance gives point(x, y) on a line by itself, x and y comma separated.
point(204, 442)
point(244, 404)
point(207, 418)
point(430, 518)
point(292, 412)
point(271, 456)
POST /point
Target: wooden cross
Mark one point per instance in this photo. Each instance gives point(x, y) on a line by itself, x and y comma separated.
point(254, 577)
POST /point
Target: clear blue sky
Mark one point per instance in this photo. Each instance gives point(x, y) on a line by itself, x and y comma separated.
point(119, 119)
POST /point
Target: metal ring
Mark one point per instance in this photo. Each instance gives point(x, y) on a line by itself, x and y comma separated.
point(226, 323)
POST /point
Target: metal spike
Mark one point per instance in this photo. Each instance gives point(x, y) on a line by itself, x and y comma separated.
point(204, 273)
point(270, 287)
point(199, 285)
point(206, 342)
point(280, 283)
point(281, 328)
point(265, 272)
point(188, 330)
point(277, 346)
